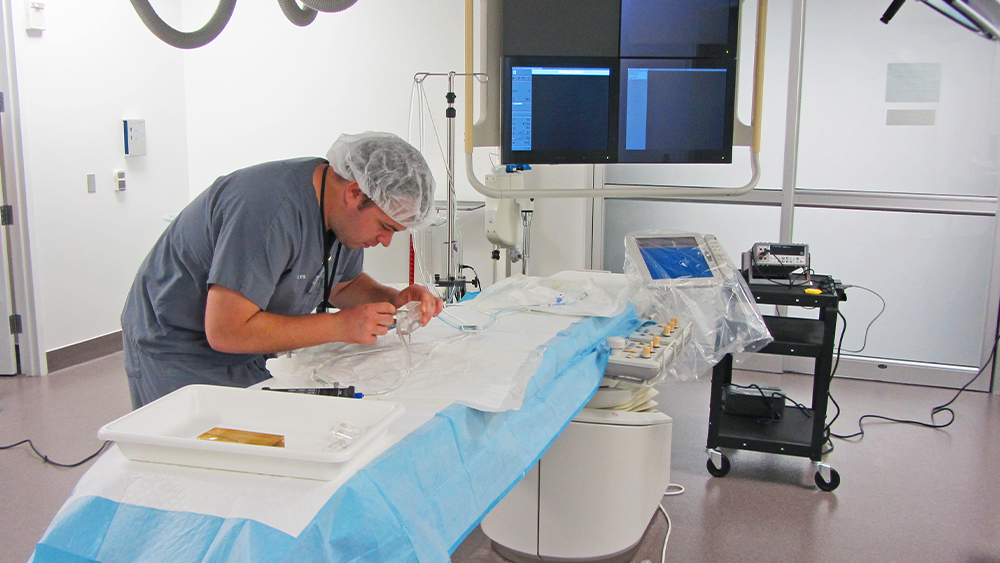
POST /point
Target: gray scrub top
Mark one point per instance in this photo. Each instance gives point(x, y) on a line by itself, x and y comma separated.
point(256, 231)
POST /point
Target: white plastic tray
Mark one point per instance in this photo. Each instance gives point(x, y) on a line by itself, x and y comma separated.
point(166, 430)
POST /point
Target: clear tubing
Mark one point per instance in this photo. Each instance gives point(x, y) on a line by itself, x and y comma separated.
point(320, 378)
point(339, 358)
point(464, 326)
point(406, 374)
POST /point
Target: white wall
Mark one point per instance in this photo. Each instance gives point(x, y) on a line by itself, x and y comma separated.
point(263, 90)
point(845, 141)
point(266, 89)
point(94, 65)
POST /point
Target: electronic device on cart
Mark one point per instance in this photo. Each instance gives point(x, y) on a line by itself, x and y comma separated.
point(770, 262)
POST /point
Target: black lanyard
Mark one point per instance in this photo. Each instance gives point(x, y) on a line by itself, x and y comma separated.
point(329, 237)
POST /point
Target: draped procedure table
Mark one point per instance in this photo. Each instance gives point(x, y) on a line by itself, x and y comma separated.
point(414, 495)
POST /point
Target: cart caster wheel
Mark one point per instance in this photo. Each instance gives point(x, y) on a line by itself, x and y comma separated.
point(830, 485)
point(720, 471)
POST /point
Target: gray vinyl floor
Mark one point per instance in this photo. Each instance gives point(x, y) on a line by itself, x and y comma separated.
point(908, 494)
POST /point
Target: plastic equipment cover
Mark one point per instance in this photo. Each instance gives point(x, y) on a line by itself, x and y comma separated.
point(581, 297)
point(724, 317)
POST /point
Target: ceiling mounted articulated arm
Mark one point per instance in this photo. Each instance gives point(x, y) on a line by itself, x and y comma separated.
point(181, 39)
point(890, 12)
point(329, 5)
point(981, 17)
point(304, 15)
point(298, 15)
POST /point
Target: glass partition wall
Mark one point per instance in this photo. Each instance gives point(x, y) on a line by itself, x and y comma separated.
point(894, 186)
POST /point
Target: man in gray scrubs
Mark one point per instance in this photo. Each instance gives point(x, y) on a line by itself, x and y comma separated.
point(237, 276)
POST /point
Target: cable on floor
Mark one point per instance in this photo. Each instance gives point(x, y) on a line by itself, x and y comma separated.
point(670, 528)
point(944, 407)
point(673, 489)
point(46, 459)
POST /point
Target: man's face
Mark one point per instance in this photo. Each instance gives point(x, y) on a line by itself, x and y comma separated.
point(366, 226)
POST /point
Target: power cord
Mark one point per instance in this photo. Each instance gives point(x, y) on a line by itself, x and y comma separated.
point(882, 310)
point(945, 407)
point(666, 537)
point(46, 459)
point(475, 276)
point(827, 432)
point(673, 490)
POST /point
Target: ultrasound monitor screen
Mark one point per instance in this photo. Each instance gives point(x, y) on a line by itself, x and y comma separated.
point(673, 258)
point(677, 111)
point(670, 28)
point(560, 110)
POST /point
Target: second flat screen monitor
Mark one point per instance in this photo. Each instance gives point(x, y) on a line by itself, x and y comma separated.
point(597, 110)
point(676, 110)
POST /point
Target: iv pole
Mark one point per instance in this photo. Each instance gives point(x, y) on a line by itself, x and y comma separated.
point(453, 281)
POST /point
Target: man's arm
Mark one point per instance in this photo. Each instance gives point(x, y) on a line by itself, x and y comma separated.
point(364, 289)
point(235, 325)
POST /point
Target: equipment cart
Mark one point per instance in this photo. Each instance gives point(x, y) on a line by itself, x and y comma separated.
point(798, 432)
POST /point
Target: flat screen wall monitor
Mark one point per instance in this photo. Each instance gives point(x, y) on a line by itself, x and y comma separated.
point(560, 110)
point(676, 110)
point(678, 260)
point(692, 29)
point(564, 110)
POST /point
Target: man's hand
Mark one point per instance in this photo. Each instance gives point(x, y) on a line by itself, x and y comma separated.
point(233, 324)
point(430, 305)
point(362, 324)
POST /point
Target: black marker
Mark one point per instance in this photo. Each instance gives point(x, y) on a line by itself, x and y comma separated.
point(326, 391)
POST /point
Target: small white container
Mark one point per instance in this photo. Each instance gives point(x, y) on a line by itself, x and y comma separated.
point(167, 430)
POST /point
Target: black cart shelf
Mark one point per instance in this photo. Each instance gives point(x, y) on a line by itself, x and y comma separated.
point(800, 432)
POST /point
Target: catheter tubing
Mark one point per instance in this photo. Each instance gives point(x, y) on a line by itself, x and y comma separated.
point(664, 191)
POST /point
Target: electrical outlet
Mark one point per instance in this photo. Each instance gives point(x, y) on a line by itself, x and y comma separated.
point(36, 16)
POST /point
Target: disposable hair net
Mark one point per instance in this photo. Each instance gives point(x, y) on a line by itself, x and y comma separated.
point(391, 172)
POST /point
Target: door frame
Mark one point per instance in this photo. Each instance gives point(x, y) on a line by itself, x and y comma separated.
point(30, 352)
